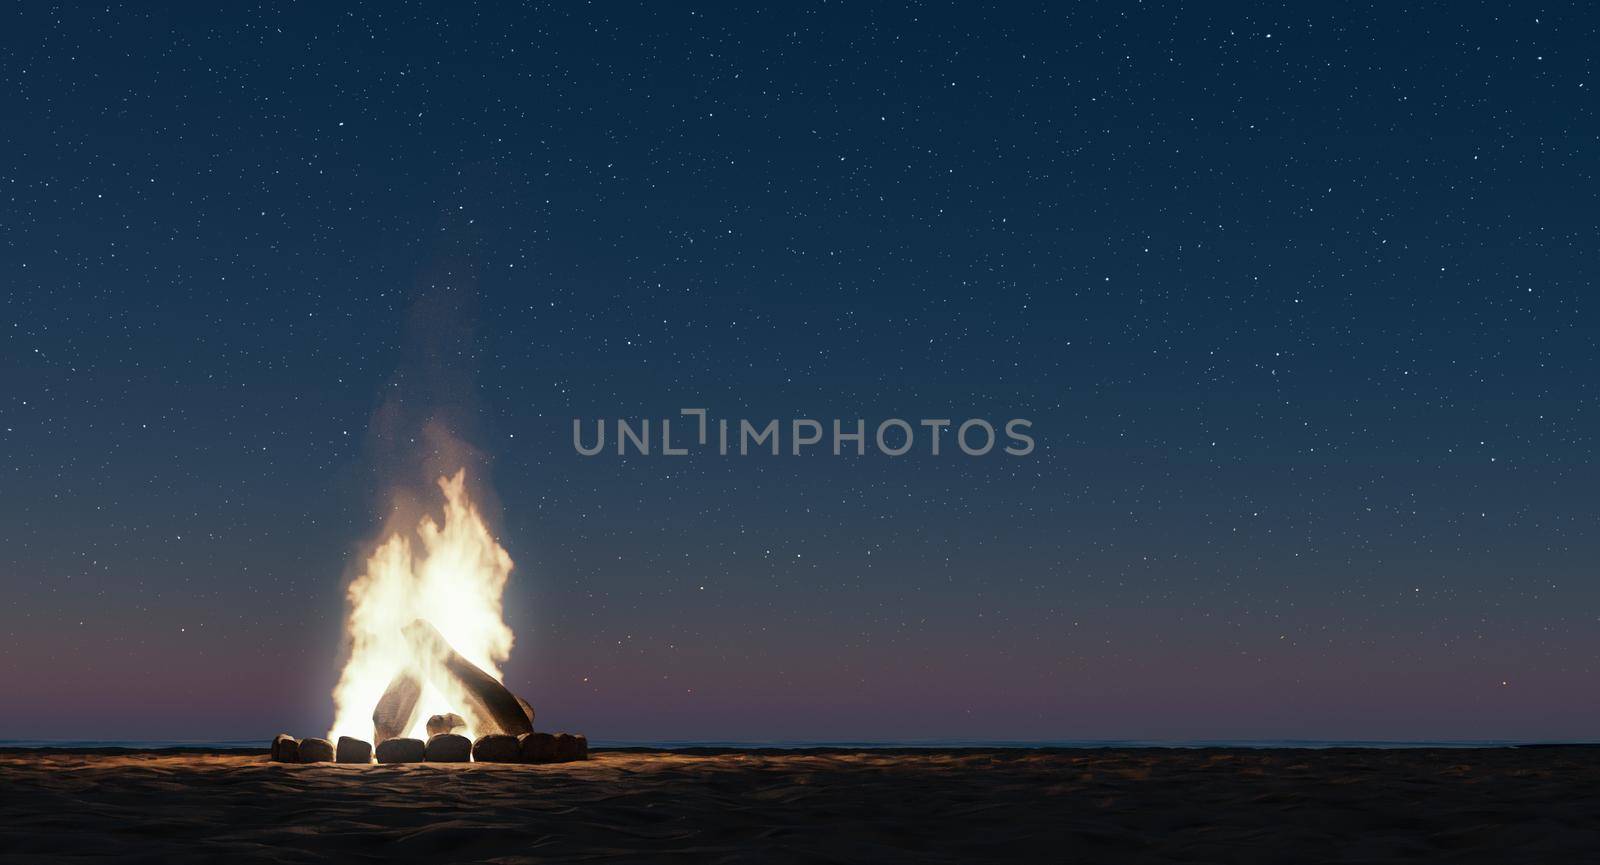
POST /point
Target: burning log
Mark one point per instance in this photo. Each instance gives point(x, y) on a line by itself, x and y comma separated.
point(493, 708)
point(402, 750)
point(448, 748)
point(285, 749)
point(353, 750)
point(316, 751)
point(396, 712)
point(495, 748)
point(447, 723)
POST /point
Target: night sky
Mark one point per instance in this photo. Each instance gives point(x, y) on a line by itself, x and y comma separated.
point(1300, 299)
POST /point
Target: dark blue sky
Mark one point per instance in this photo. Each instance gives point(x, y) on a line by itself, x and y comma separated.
point(1299, 299)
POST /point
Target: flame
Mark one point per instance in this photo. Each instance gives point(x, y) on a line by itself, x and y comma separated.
point(452, 574)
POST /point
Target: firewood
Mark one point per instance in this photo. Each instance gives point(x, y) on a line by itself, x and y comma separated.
point(396, 712)
point(492, 708)
point(449, 722)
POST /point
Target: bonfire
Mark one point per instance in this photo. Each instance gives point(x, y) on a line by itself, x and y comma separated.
point(426, 639)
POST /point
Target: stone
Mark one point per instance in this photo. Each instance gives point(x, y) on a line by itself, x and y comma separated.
point(567, 747)
point(583, 746)
point(402, 750)
point(448, 723)
point(285, 749)
point(396, 712)
point(492, 708)
point(448, 748)
point(353, 750)
point(316, 751)
point(537, 747)
point(495, 748)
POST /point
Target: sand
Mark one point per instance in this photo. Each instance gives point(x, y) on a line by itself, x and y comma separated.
point(1122, 806)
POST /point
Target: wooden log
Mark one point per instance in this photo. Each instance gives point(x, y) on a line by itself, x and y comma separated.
point(449, 722)
point(396, 712)
point(493, 708)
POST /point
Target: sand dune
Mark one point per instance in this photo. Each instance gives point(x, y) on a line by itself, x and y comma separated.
point(1148, 805)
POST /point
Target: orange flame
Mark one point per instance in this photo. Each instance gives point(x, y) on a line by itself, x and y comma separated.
point(452, 574)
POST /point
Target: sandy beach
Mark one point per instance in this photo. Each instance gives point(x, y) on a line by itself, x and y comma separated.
point(1136, 805)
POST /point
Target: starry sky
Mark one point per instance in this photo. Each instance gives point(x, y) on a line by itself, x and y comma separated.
point(1299, 298)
